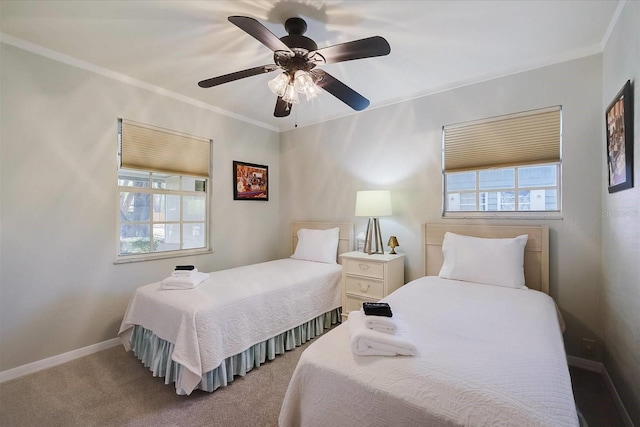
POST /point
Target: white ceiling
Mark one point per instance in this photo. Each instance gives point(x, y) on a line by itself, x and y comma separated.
point(169, 46)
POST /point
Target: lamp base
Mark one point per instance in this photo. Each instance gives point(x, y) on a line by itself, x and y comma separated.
point(373, 233)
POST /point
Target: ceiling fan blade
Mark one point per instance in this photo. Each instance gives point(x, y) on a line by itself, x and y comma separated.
point(258, 31)
point(215, 81)
point(343, 92)
point(283, 108)
point(357, 49)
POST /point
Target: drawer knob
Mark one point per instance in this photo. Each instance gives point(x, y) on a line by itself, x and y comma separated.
point(364, 266)
point(363, 286)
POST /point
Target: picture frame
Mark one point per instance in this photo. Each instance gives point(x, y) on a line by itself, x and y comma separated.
point(250, 181)
point(619, 142)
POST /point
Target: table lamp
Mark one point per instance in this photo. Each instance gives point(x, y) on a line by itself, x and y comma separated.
point(393, 244)
point(373, 204)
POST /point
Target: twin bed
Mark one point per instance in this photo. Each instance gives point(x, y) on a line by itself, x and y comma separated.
point(236, 319)
point(487, 354)
point(489, 350)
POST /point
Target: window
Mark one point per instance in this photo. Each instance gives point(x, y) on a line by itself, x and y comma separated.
point(163, 185)
point(495, 190)
point(505, 166)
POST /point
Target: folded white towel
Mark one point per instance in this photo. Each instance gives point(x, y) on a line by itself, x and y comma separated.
point(184, 273)
point(387, 325)
point(184, 282)
point(367, 342)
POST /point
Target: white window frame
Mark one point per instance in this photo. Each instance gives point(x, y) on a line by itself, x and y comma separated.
point(517, 213)
point(122, 258)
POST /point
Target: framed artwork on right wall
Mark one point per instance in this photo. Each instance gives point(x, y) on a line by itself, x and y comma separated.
point(619, 128)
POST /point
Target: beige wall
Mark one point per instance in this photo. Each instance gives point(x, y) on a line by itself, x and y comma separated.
point(621, 224)
point(399, 148)
point(59, 288)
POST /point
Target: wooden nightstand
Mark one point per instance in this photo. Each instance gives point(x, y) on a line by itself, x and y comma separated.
point(369, 278)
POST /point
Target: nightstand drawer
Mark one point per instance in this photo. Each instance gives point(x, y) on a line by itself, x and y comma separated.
point(364, 268)
point(352, 304)
point(364, 287)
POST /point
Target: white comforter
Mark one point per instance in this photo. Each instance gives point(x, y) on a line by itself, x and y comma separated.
point(487, 356)
point(232, 310)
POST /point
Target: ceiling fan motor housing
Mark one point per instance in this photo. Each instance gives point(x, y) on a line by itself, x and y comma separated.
point(298, 41)
point(299, 45)
point(296, 27)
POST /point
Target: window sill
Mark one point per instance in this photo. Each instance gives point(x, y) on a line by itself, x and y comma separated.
point(128, 259)
point(504, 215)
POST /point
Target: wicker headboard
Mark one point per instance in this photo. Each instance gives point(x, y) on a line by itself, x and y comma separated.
point(346, 239)
point(536, 253)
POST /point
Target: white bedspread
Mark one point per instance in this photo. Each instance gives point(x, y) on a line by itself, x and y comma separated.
point(232, 310)
point(487, 356)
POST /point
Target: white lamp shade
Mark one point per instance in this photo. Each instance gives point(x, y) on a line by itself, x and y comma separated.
point(374, 203)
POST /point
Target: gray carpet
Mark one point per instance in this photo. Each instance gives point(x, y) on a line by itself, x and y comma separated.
point(593, 398)
point(112, 388)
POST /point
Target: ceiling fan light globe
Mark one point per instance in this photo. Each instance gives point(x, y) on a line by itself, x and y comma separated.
point(278, 85)
point(312, 92)
point(290, 95)
point(302, 81)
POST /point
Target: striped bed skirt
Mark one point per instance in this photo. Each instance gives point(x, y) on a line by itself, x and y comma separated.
point(155, 353)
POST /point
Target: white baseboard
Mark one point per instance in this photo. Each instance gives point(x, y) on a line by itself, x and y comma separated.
point(626, 419)
point(591, 365)
point(586, 364)
point(50, 362)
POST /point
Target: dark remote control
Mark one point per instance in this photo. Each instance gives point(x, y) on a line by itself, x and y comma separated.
point(377, 309)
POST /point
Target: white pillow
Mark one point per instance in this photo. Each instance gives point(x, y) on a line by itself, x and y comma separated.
point(491, 261)
point(317, 245)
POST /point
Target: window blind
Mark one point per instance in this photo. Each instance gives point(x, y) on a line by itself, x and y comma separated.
point(155, 149)
point(531, 137)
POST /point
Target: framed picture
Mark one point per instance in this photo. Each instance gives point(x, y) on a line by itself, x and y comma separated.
point(619, 122)
point(250, 181)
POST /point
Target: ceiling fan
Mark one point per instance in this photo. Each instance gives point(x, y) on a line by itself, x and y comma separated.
point(297, 56)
